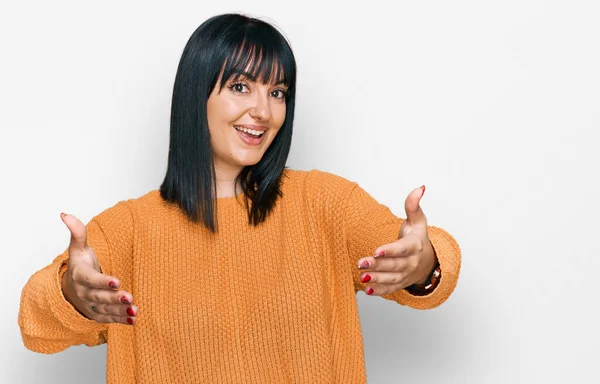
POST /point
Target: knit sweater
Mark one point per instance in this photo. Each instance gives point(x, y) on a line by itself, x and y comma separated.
point(274, 303)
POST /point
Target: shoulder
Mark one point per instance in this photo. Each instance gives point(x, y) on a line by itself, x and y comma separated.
point(151, 198)
point(316, 178)
point(317, 184)
point(150, 203)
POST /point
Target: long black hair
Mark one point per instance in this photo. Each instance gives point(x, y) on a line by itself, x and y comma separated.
point(226, 43)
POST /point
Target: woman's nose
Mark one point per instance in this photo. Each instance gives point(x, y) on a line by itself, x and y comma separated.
point(261, 110)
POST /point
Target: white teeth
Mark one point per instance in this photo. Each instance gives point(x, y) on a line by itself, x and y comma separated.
point(250, 131)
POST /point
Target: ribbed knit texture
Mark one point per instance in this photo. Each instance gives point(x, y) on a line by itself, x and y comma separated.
point(269, 304)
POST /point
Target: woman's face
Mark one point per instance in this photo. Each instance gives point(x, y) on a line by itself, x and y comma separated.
point(244, 105)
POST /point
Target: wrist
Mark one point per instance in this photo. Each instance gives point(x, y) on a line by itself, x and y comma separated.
point(430, 273)
point(65, 287)
point(427, 278)
point(431, 269)
point(64, 283)
point(426, 287)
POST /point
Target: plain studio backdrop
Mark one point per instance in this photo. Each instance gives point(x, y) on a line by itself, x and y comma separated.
point(494, 106)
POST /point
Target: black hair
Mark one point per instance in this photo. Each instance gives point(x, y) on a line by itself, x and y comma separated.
point(226, 43)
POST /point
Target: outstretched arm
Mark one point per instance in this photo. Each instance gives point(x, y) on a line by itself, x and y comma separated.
point(403, 251)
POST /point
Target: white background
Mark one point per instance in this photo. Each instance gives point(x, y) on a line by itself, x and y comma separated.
point(494, 106)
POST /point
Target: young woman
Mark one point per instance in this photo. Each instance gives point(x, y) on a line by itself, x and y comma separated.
point(238, 269)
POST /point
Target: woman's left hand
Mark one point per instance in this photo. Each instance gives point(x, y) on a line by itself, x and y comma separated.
point(406, 261)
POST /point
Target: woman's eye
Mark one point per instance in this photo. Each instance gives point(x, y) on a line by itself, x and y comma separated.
point(279, 94)
point(237, 87)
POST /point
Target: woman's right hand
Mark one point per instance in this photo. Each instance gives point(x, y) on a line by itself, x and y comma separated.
point(92, 293)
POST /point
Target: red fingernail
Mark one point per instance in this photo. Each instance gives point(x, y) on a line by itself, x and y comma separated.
point(380, 253)
point(423, 188)
point(125, 300)
point(364, 264)
point(366, 278)
point(113, 285)
point(130, 320)
point(130, 311)
point(370, 291)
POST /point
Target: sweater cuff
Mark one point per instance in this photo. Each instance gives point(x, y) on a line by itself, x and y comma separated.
point(449, 257)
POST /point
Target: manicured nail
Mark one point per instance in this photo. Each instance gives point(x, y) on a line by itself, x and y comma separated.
point(365, 264)
point(94, 309)
point(125, 300)
point(130, 320)
point(380, 253)
point(113, 285)
point(130, 311)
point(423, 188)
point(370, 291)
point(63, 215)
point(366, 278)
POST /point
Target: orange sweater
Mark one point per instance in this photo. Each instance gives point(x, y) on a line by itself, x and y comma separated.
point(268, 304)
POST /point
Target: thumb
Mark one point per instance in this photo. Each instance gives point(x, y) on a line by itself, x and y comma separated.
point(78, 232)
point(414, 213)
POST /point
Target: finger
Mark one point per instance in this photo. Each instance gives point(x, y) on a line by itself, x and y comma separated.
point(384, 289)
point(407, 245)
point(115, 309)
point(115, 319)
point(390, 264)
point(106, 296)
point(384, 278)
point(414, 213)
point(87, 276)
point(78, 232)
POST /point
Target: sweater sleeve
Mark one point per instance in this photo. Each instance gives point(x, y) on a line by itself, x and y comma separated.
point(369, 225)
point(48, 322)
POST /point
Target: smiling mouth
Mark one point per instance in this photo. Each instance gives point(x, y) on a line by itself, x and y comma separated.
point(250, 132)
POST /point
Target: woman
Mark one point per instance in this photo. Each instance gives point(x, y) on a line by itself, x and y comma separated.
point(237, 270)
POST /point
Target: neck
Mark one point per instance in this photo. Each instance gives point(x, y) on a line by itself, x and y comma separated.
point(225, 176)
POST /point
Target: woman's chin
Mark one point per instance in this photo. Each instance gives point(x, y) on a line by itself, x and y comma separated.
point(248, 162)
point(248, 159)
